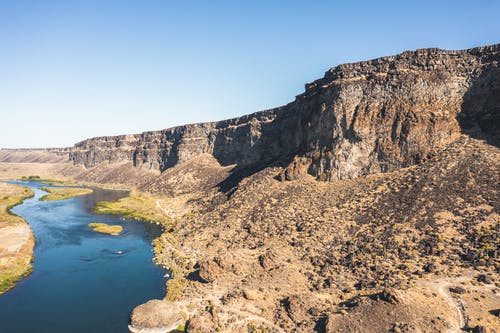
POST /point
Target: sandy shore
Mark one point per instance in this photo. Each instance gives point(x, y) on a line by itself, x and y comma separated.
point(16, 237)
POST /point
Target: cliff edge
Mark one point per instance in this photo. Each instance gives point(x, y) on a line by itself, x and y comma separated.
point(360, 118)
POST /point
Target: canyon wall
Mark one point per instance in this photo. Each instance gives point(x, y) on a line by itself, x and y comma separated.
point(360, 118)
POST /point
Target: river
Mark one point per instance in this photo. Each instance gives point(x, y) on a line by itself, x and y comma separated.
point(82, 281)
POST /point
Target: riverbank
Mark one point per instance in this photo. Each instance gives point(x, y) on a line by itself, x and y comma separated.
point(16, 237)
point(149, 208)
point(136, 206)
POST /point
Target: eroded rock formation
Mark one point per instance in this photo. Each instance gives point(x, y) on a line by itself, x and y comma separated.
point(360, 118)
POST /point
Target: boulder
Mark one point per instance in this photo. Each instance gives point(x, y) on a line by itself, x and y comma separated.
point(457, 290)
point(484, 279)
point(268, 260)
point(295, 170)
point(479, 329)
point(388, 295)
point(250, 294)
point(201, 323)
point(298, 307)
point(156, 316)
point(209, 270)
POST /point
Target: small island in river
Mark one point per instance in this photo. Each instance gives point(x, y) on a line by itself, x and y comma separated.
point(113, 230)
point(61, 193)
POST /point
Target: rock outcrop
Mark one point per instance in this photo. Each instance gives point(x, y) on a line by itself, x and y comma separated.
point(156, 316)
point(360, 118)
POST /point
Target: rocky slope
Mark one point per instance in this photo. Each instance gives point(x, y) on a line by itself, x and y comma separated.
point(360, 118)
point(412, 250)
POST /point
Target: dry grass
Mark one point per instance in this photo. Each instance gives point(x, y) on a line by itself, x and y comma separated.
point(9, 277)
point(138, 206)
point(61, 193)
point(16, 239)
point(10, 196)
point(61, 171)
point(104, 228)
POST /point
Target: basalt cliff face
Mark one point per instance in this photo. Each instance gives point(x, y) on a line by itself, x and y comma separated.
point(360, 118)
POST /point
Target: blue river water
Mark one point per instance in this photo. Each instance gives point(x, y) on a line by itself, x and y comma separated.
point(82, 281)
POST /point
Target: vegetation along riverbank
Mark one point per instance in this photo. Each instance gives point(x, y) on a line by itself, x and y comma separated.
point(61, 193)
point(16, 237)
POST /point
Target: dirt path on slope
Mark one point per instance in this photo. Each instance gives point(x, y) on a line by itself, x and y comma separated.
point(442, 289)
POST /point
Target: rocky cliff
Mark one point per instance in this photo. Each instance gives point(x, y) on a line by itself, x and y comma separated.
point(360, 118)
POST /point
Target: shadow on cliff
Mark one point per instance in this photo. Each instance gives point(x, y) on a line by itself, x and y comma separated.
point(241, 172)
point(255, 145)
point(255, 142)
point(480, 111)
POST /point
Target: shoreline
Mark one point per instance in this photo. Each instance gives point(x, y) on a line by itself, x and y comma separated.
point(17, 240)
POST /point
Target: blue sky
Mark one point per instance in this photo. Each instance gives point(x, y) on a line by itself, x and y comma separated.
point(76, 69)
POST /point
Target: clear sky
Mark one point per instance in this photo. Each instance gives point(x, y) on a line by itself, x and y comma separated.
point(76, 69)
